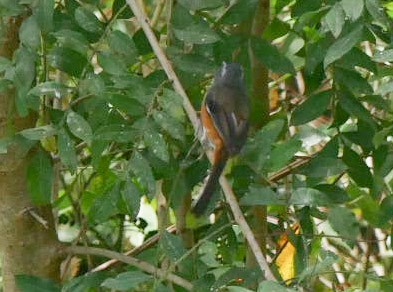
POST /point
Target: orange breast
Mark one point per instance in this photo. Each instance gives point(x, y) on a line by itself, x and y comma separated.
point(212, 133)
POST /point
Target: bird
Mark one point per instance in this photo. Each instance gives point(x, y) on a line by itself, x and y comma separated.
point(225, 113)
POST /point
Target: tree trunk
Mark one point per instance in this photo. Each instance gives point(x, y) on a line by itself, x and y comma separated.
point(28, 241)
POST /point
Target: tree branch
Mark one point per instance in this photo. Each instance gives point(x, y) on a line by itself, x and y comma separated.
point(229, 195)
point(144, 266)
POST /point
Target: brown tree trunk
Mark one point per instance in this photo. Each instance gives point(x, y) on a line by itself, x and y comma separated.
point(28, 241)
point(259, 116)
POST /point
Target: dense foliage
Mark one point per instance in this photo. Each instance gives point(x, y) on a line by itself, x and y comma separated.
point(112, 139)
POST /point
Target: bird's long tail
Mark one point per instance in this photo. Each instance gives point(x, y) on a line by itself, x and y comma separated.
point(212, 182)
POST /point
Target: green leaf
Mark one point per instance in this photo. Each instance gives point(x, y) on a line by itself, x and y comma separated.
point(105, 206)
point(353, 8)
point(201, 4)
point(111, 64)
point(141, 168)
point(88, 21)
point(67, 60)
point(67, 150)
point(344, 222)
point(29, 33)
point(383, 56)
point(84, 282)
point(126, 104)
point(171, 103)
point(387, 208)
point(121, 133)
point(311, 108)
point(249, 277)
point(323, 167)
point(169, 124)
point(352, 106)
point(255, 151)
point(315, 53)
point(353, 81)
point(131, 198)
point(23, 78)
point(121, 9)
point(309, 197)
point(192, 29)
point(193, 63)
point(324, 265)
point(79, 127)
point(334, 194)
point(40, 178)
point(343, 45)
point(29, 283)
point(72, 40)
point(172, 246)
point(270, 56)
point(261, 195)
point(44, 14)
point(335, 19)
point(52, 89)
point(126, 281)
point(199, 34)
point(357, 168)
point(123, 45)
point(39, 132)
point(156, 143)
point(282, 154)
point(240, 11)
point(357, 58)
point(270, 286)
point(374, 7)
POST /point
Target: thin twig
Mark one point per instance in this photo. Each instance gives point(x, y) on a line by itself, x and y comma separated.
point(144, 266)
point(229, 195)
point(148, 243)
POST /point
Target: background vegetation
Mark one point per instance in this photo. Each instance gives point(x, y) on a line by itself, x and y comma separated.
point(98, 157)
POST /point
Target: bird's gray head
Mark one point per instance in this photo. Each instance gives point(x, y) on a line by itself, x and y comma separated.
point(230, 74)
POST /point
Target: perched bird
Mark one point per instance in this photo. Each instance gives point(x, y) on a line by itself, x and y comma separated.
point(225, 118)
